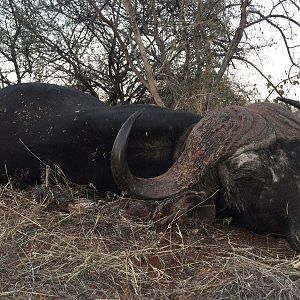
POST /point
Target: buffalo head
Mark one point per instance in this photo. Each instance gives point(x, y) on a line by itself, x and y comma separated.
point(250, 154)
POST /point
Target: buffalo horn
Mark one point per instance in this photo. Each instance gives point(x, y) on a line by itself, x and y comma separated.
point(215, 137)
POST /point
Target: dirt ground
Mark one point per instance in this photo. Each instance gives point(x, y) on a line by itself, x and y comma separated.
point(100, 252)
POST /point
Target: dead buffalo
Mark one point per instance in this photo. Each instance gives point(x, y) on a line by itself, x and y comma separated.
point(44, 124)
point(250, 155)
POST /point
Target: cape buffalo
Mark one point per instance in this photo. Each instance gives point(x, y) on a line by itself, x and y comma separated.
point(44, 124)
point(249, 154)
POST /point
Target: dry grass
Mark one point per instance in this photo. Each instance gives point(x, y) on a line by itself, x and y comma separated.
point(102, 254)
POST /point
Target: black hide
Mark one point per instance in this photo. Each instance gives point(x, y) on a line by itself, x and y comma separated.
point(43, 124)
point(261, 189)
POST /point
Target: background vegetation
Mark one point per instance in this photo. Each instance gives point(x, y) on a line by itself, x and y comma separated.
point(173, 53)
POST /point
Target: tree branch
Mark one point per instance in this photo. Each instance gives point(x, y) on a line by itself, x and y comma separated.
point(123, 46)
point(231, 49)
point(235, 41)
point(138, 39)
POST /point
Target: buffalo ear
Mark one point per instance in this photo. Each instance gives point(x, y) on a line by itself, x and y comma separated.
point(175, 209)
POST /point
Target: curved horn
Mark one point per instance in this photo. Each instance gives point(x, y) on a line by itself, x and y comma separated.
point(125, 180)
point(119, 165)
point(218, 135)
point(294, 103)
